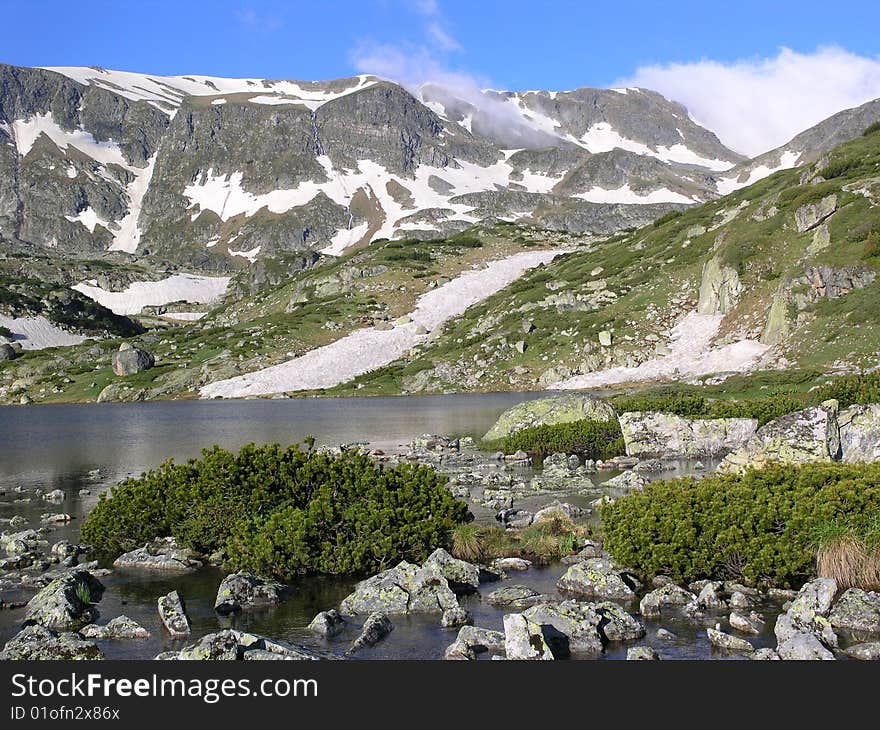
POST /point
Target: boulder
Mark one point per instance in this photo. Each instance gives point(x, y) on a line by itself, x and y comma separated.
point(857, 610)
point(406, 588)
point(807, 217)
point(375, 628)
point(121, 627)
point(231, 645)
point(641, 653)
point(162, 554)
point(803, 437)
point(728, 642)
point(869, 651)
point(473, 640)
point(549, 411)
point(626, 483)
point(860, 433)
point(803, 647)
point(461, 576)
point(240, 591)
point(669, 595)
point(720, 288)
point(67, 602)
point(328, 624)
point(129, 360)
point(616, 624)
point(750, 623)
point(595, 578)
point(568, 628)
point(517, 597)
point(667, 436)
point(7, 352)
point(524, 640)
point(511, 564)
point(36, 642)
point(172, 612)
point(808, 614)
point(708, 597)
point(455, 617)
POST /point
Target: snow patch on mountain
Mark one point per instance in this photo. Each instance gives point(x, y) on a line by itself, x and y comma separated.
point(36, 333)
point(626, 195)
point(89, 218)
point(787, 160)
point(139, 294)
point(27, 131)
point(367, 349)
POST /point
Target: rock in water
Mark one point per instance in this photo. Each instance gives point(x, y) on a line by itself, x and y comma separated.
point(727, 641)
point(549, 411)
point(375, 628)
point(129, 360)
point(869, 651)
point(240, 591)
point(67, 602)
point(669, 595)
point(163, 554)
point(524, 640)
point(328, 624)
point(121, 627)
point(406, 588)
point(172, 612)
point(516, 597)
point(231, 645)
point(857, 610)
point(568, 628)
point(641, 653)
point(36, 642)
point(462, 577)
point(594, 578)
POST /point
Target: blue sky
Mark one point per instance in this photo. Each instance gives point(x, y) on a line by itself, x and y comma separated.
point(693, 51)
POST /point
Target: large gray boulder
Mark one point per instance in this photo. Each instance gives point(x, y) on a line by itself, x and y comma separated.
point(172, 613)
point(516, 597)
point(121, 627)
point(858, 611)
point(808, 616)
point(232, 645)
point(129, 360)
point(550, 411)
point(653, 603)
point(570, 627)
point(162, 555)
point(242, 590)
point(803, 437)
point(36, 642)
point(406, 588)
point(67, 602)
point(596, 578)
point(803, 647)
point(860, 433)
point(807, 217)
point(461, 576)
point(473, 640)
point(524, 639)
point(667, 436)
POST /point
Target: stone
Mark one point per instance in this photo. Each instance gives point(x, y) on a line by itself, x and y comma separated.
point(803, 647)
point(869, 651)
point(766, 654)
point(406, 588)
point(511, 564)
point(594, 578)
point(162, 554)
point(666, 635)
point(860, 433)
point(524, 640)
point(129, 360)
point(750, 623)
point(172, 613)
point(617, 624)
point(37, 642)
point(807, 217)
point(240, 591)
point(738, 599)
point(550, 411)
point(517, 597)
point(473, 640)
point(455, 617)
point(569, 628)
point(67, 602)
point(625, 483)
point(328, 624)
point(653, 603)
point(462, 577)
point(808, 436)
point(121, 627)
point(857, 610)
point(720, 288)
point(667, 436)
point(728, 642)
point(375, 628)
point(605, 338)
point(641, 653)
point(7, 352)
point(233, 645)
point(708, 597)
point(556, 510)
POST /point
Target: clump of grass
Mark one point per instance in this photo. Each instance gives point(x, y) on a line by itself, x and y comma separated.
point(83, 593)
point(543, 542)
point(851, 557)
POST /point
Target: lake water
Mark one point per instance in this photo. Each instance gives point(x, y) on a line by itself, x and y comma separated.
point(91, 447)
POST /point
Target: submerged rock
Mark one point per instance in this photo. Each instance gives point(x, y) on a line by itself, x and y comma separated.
point(121, 627)
point(240, 591)
point(172, 612)
point(375, 628)
point(67, 602)
point(231, 645)
point(549, 411)
point(36, 642)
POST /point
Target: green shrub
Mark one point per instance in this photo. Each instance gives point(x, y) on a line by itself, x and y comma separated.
point(591, 439)
point(666, 217)
point(758, 526)
point(282, 512)
point(871, 129)
point(839, 168)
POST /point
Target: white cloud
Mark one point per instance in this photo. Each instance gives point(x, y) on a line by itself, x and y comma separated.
point(442, 38)
point(755, 105)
